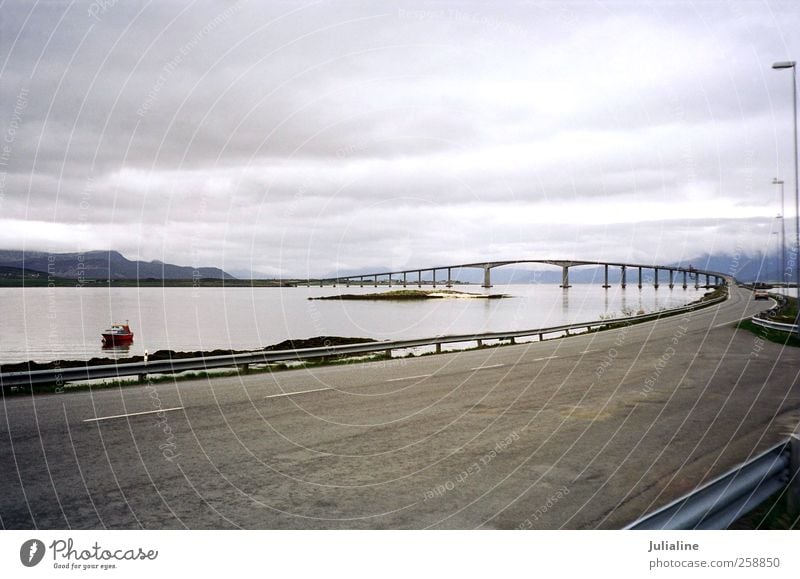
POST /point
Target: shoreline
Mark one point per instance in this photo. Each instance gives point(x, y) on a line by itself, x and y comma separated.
point(161, 355)
point(318, 342)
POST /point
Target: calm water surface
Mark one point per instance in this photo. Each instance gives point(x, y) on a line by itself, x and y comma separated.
point(65, 323)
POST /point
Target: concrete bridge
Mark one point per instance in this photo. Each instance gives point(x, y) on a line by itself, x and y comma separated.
point(428, 275)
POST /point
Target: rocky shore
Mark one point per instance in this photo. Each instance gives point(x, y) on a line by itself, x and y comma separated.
point(316, 342)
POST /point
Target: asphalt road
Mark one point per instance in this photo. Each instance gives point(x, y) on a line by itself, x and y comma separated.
point(585, 432)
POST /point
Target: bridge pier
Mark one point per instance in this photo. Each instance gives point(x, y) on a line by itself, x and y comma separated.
point(375, 278)
point(640, 278)
point(684, 279)
point(419, 278)
point(449, 278)
point(362, 281)
point(565, 276)
point(624, 275)
point(434, 277)
point(404, 279)
point(487, 276)
point(671, 280)
point(605, 277)
point(655, 283)
point(390, 282)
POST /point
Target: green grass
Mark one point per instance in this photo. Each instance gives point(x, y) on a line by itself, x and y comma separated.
point(776, 336)
point(786, 312)
point(773, 514)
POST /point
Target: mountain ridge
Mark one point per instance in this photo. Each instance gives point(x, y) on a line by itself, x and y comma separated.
point(103, 265)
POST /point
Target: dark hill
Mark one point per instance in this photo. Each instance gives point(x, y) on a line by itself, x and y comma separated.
point(102, 265)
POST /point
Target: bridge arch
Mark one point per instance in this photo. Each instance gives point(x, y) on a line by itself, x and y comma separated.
point(711, 278)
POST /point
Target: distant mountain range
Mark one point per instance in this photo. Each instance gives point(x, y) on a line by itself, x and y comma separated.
point(98, 265)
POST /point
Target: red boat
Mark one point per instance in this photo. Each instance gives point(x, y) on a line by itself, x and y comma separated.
point(118, 334)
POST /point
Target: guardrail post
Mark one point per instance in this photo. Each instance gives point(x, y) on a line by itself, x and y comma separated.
point(794, 476)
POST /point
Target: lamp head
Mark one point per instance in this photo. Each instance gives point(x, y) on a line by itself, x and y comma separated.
point(777, 181)
point(784, 64)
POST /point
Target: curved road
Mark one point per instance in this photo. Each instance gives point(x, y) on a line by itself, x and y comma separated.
point(585, 432)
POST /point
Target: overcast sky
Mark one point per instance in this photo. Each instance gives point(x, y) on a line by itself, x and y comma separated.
point(295, 138)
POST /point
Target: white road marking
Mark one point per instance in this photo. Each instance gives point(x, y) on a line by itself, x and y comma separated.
point(409, 378)
point(548, 358)
point(133, 414)
point(588, 351)
point(294, 393)
point(487, 367)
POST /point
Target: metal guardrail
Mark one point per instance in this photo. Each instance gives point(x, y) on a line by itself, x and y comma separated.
point(791, 328)
point(61, 376)
point(727, 498)
point(762, 318)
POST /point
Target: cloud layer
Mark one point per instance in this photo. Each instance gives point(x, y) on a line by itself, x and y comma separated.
point(298, 138)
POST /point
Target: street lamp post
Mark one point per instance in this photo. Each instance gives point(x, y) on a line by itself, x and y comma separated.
point(782, 276)
point(793, 65)
point(777, 264)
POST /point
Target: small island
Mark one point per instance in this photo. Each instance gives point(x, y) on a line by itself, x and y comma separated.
point(409, 295)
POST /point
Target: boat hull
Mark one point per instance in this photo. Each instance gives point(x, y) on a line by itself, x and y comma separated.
point(117, 339)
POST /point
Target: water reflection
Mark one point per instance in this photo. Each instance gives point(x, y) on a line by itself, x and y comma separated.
point(115, 351)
